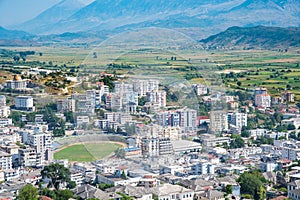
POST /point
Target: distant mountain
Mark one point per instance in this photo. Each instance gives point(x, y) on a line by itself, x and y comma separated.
point(21, 38)
point(254, 37)
point(13, 34)
point(44, 21)
point(196, 18)
point(15, 38)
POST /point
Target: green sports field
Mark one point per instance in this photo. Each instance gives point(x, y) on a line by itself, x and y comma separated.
point(86, 152)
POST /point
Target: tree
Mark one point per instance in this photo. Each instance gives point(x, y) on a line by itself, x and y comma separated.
point(119, 130)
point(103, 186)
point(48, 193)
point(123, 175)
point(225, 145)
point(125, 196)
point(282, 128)
point(228, 189)
point(71, 185)
point(291, 127)
point(16, 58)
point(245, 133)
point(28, 192)
point(237, 142)
point(252, 184)
point(57, 174)
point(94, 54)
point(262, 193)
point(54, 123)
point(16, 118)
point(239, 83)
point(64, 194)
point(293, 135)
point(69, 116)
point(142, 101)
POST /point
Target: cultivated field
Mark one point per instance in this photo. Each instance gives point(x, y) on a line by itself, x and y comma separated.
point(273, 69)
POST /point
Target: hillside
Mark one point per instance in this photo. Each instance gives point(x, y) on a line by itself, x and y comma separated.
point(254, 37)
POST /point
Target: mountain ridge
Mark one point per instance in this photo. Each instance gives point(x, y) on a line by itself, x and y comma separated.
point(40, 24)
point(254, 38)
point(218, 15)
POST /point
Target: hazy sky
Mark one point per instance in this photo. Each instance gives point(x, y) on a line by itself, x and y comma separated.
point(17, 11)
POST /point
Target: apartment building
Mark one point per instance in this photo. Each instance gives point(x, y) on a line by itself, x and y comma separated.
point(238, 120)
point(24, 103)
point(263, 100)
point(17, 83)
point(67, 104)
point(200, 89)
point(5, 161)
point(218, 121)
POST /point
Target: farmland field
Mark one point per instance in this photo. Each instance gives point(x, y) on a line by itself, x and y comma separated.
point(273, 69)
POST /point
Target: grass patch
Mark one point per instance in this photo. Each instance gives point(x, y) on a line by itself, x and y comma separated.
point(86, 152)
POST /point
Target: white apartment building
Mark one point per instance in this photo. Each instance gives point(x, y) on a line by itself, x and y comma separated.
point(114, 102)
point(237, 119)
point(144, 86)
point(5, 122)
point(263, 100)
point(290, 153)
point(150, 146)
point(218, 121)
point(200, 89)
point(82, 120)
point(24, 103)
point(165, 146)
point(157, 97)
point(121, 87)
point(77, 177)
point(5, 161)
point(171, 132)
point(17, 83)
point(2, 100)
point(121, 118)
point(227, 98)
point(85, 103)
point(42, 142)
point(187, 119)
point(212, 142)
point(27, 157)
point(288, 96)
point(203, 168)
point(67, 104)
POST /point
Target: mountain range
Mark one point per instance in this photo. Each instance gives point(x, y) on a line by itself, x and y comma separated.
point(197, 18)
point(254, 37)
point(72, 21)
